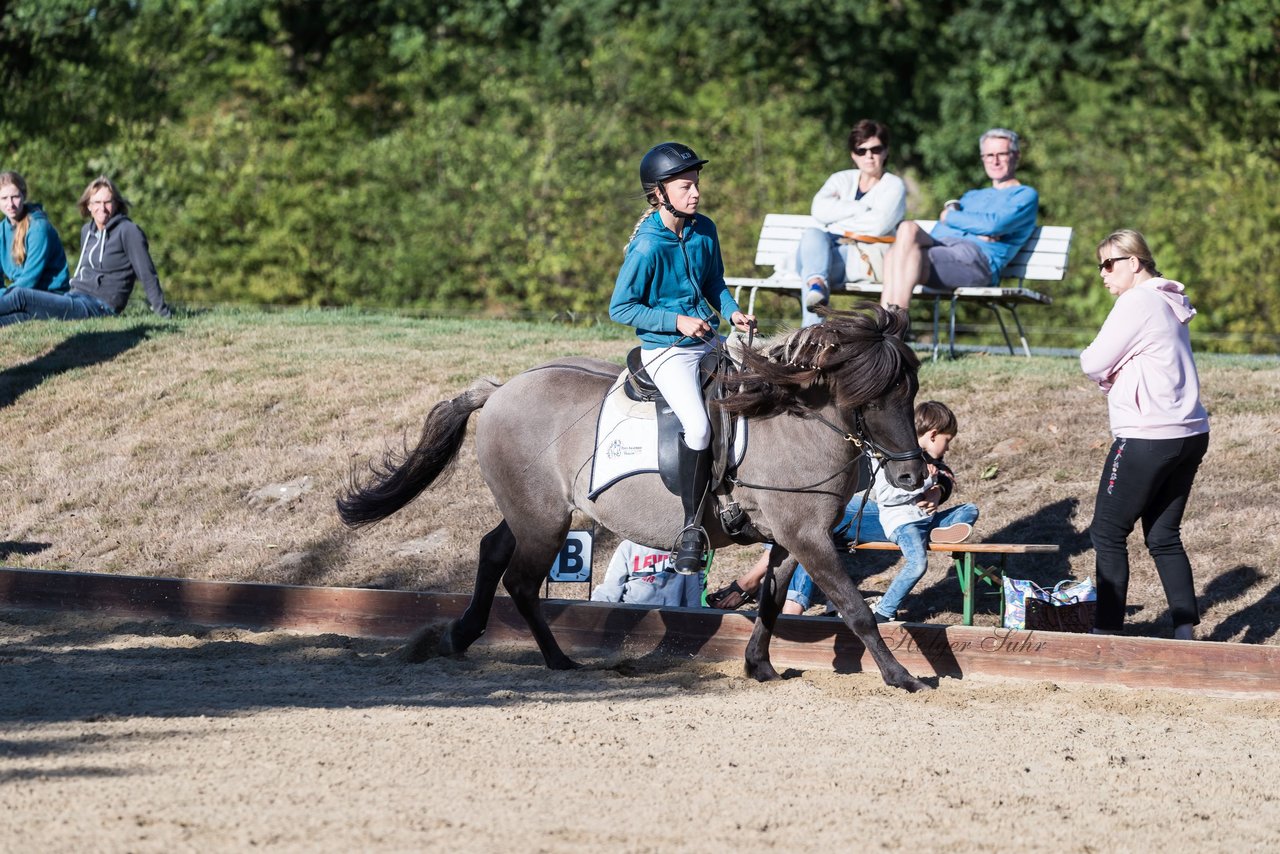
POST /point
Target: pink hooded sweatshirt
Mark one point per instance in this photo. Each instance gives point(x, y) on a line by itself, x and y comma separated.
point(1142, 360)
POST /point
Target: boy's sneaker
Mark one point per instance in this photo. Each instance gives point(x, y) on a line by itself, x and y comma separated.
point(951, 534)
point(816, 294)
point(881, 619)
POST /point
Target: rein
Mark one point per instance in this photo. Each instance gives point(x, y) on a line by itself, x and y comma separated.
point(765, 487)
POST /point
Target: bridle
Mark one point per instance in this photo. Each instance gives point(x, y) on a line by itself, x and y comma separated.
point(861, 439)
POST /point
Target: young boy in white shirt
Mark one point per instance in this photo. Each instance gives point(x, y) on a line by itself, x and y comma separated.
point(912, 518)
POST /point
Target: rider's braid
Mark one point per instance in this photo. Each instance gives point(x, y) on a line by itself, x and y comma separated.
point(653, 206)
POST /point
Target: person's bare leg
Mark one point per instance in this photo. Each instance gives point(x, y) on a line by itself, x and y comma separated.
point(905, 265)
point(792, 608)
point(750, 580)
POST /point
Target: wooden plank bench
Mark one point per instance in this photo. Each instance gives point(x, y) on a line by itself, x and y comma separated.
point(1042, 258)
point(968, 571)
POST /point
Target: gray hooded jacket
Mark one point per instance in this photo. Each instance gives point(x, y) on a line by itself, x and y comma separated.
point(111, 260)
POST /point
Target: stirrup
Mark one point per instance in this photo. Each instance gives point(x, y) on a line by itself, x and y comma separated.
point(689, 555)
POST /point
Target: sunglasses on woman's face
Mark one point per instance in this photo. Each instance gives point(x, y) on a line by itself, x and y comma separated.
point(870, 149)
point(1108, 263)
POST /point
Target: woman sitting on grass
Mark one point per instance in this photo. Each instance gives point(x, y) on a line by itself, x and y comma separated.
point(31, 254)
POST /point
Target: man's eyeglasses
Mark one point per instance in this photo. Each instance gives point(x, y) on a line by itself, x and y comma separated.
point(997, 155)
point(1108, 263)
point(870, 149)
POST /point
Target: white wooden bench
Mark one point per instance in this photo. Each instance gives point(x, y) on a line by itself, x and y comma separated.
point(1042, 258)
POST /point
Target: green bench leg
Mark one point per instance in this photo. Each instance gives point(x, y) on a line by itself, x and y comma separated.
point(968, 578)
point(964, 573)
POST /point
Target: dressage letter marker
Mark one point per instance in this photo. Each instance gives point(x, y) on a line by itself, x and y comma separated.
point(573, 563)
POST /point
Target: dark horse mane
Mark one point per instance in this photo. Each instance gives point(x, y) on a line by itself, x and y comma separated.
point(857, 355)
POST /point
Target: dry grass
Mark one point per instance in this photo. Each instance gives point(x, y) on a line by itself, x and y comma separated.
point(213, 448)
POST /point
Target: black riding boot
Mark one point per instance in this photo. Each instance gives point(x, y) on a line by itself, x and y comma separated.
point(695, 474)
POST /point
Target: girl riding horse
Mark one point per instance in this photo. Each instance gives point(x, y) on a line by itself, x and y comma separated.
point(821, 397)
point(671, 289)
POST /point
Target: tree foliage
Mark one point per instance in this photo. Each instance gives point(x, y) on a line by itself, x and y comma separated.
point(482, 155)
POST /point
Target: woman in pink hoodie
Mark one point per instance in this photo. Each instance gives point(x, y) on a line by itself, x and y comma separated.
point(1142, 360)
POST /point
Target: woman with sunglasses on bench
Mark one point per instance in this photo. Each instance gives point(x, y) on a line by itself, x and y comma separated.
point(859, 209)
point(1142, 361)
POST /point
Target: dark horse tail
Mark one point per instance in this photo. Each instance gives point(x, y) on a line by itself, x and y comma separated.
point(402, 477)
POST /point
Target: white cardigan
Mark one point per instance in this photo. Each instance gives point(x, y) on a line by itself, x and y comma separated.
point(876, 213)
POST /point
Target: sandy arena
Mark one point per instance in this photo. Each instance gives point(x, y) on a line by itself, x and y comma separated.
point(133, 736)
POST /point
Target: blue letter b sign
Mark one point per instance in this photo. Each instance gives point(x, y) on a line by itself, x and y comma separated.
point(574, 561)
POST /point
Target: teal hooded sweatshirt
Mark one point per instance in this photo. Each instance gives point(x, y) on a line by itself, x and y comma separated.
point(664, 276)
point(45, 267)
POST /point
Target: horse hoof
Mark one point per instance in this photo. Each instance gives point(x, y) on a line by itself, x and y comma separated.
point(444, 647)
point(563, 663)
point(763, 672)
point(911, 684)
point(428, 642)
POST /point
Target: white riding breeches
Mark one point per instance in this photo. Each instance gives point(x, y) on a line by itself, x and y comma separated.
point(674, 370)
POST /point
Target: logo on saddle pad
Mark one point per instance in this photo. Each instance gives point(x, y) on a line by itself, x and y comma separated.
point(618, 450)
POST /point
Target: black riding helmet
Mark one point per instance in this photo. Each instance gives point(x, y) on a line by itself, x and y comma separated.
point(665, 161)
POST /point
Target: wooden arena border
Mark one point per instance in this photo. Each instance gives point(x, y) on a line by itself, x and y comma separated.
point(594, 628)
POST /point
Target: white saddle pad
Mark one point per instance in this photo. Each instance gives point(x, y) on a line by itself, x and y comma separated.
point(627, 439)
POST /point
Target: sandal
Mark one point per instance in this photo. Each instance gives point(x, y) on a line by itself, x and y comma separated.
point(729, 598)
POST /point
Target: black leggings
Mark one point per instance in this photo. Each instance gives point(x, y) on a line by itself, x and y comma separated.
point(1147, 479)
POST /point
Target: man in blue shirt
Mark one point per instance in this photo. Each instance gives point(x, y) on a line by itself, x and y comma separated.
point(976, 235)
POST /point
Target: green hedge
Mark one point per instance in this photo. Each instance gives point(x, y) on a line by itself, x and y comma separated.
point(481, 156)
